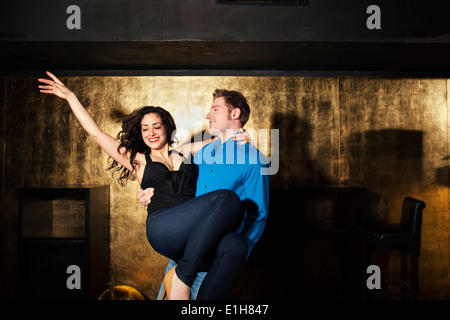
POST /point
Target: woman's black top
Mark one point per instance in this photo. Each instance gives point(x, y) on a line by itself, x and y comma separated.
point(171, 187)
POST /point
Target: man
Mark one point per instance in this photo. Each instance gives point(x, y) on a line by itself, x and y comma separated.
point(226, 164)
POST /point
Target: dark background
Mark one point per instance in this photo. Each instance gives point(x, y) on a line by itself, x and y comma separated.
point(200, 35)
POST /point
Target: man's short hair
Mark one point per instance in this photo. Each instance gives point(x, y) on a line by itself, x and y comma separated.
point(234, 99)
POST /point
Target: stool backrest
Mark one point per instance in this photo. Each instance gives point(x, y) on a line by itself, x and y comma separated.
point(412, 221)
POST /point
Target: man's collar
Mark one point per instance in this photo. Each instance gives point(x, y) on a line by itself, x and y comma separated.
point(226, 141)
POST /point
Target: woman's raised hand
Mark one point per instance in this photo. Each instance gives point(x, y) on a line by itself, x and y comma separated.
point(54, 86)
point(104, 140)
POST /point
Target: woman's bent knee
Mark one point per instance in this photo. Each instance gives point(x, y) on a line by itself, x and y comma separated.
point(230, 198)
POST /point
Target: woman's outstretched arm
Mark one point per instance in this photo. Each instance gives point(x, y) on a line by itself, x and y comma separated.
point(104, 140)
point(243, 137)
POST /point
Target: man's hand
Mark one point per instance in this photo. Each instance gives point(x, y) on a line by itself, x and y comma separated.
point(145, 196)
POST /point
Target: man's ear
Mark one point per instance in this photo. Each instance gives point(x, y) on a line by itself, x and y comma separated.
point(236, 113)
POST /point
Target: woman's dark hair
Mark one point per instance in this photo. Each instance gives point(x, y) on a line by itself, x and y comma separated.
point(130, 138)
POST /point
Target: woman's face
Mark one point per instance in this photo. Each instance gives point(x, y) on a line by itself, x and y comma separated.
point(153, 131)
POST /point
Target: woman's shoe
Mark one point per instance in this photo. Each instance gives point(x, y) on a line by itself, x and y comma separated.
point(168, 283)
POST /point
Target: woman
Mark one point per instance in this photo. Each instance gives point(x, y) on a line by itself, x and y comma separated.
point(179, 226)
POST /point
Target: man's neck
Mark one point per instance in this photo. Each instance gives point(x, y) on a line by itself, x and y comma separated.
point(227, 134)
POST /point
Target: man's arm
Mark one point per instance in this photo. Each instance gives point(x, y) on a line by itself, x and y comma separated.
point(257, 195)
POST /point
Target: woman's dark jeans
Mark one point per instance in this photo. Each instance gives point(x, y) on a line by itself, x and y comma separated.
point(188, 233)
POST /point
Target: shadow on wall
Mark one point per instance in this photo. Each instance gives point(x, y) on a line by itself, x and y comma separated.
point(297, 167)
point(443, 174)
point(281, 245)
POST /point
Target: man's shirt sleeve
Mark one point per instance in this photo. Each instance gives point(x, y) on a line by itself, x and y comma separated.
point(257, 202)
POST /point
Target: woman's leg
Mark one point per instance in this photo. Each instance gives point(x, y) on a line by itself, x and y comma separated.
point(224, 271)
point(188, 232)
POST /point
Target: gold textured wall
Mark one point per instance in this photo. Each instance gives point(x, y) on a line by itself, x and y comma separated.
point(388, 135)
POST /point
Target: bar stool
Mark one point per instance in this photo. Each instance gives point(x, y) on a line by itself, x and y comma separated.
point(405, 237)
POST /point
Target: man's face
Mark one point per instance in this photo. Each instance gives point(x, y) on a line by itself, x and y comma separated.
point(219, 117)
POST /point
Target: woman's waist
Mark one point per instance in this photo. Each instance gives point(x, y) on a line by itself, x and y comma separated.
point(164, 201)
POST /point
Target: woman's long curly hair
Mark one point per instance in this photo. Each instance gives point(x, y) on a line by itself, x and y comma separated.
point(130, 138)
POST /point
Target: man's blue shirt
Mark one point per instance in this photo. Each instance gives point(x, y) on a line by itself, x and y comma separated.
point(244, 170)
point(239, 168)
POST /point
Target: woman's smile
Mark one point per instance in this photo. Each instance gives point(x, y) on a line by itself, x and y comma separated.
point(153, 131)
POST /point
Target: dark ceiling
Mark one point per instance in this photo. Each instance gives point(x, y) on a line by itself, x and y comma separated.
point(396, 58)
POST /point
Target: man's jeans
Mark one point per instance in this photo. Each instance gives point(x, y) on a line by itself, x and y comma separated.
point(223, 270)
